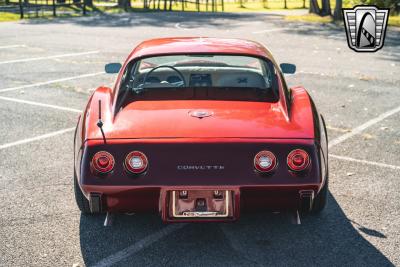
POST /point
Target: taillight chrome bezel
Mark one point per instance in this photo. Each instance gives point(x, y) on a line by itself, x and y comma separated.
point(271, 156)
point(298, 168)
point(131, 169)
point(99, 168)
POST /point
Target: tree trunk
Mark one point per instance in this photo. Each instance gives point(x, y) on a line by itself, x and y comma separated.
point(337, 15)
point(125, 4)
point(88, 2)
point(326, 8)
point(314, 7)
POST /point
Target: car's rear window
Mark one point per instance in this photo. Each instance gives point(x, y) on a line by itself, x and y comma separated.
point(223, 77)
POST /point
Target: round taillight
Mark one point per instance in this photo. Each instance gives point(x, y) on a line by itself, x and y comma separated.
point(136, 162)
point(265, 161)
point(298, 160)
point(103, 162)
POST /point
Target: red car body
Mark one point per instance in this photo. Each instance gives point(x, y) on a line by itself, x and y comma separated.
point(201, 155)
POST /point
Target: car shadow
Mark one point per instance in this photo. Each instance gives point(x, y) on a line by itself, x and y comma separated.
point(255, 240)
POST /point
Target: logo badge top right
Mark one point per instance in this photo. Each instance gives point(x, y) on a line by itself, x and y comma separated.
point(365, 27)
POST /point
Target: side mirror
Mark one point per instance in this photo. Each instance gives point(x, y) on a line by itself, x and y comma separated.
point(288, 68)
point(112, 67)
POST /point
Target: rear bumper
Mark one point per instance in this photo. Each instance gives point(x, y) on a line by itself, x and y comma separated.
point(154, 199)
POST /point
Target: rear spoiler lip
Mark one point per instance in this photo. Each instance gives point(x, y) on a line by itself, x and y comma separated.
point(110, 141)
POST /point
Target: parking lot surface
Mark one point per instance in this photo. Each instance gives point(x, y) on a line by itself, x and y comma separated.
point(48, 68)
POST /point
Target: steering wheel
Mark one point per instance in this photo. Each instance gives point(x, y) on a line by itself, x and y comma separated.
point(165, 66)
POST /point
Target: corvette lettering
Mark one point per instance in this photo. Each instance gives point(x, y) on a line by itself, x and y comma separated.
point(200, 167)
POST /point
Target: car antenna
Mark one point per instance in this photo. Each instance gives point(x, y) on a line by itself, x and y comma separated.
point(100, 124)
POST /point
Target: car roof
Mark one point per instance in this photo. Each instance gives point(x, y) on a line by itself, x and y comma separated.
point(199, 45)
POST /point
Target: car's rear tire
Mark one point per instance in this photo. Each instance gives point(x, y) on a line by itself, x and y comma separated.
point(81, 201)
point(321, 199)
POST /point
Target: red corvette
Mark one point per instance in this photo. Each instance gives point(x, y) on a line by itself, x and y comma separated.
point(200, 129)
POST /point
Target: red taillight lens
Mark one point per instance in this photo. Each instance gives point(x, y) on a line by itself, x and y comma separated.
point(136, 162)
point(103, 162)
point(298, 160)
point(265, 161)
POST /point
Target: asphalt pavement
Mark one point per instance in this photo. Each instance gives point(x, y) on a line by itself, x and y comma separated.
point(48, 68)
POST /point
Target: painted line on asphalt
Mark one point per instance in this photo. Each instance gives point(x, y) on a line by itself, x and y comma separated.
point(40, 104)
point(11, 46)
point(138, 246)
point(337, 129)
point(270, 30)
point(37, 138)
point(379, 164)
point(362, 127)
point(48, 57)
point(51, 82)
point(179, 27)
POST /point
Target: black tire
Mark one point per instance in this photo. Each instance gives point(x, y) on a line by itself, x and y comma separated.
point(321, 199)
point(81, 200)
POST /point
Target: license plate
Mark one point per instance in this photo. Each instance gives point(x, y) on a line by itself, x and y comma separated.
point(201, 204)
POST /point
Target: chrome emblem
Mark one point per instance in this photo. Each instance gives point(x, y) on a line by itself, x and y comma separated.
point(365, 27)
point(200, 113)
point(200, 167)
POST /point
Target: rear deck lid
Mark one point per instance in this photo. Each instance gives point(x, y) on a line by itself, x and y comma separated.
point(208, 119)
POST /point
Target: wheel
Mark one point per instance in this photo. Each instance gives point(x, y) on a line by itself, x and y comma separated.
point(81, 200)
point(321, 199)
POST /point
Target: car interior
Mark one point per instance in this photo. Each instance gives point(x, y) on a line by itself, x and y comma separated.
point(251, 79)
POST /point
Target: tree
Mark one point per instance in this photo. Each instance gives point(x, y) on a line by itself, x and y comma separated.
point(337, 14)
point(125, 4)
point(326, 8)
point(88, 2)
point(314, 7)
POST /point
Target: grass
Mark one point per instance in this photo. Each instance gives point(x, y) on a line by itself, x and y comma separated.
point(310, 18)
point(8, 16)
point(394, 21)
point(137, 6)
point(228, 7)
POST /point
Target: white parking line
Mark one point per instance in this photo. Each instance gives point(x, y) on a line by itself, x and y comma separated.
point(180, 27)
point(138, 246)
point(48, 57)
point(394, 167)
point(362, 127)
point(270, 30)
point(28, 140)
point(52, 81)
point(11, 46)
point(40, 104)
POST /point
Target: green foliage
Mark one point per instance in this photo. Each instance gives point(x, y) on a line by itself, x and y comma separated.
point(380, 3)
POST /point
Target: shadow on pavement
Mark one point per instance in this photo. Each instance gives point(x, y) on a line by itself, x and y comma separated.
point(256, 239)
point(334, 31)
point(159, 19)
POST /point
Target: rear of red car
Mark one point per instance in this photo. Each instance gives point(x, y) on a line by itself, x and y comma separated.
point(213, 175)
point(227, 166)
point(201, 137)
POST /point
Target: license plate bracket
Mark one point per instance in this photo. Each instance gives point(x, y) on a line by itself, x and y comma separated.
point(217, 205)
